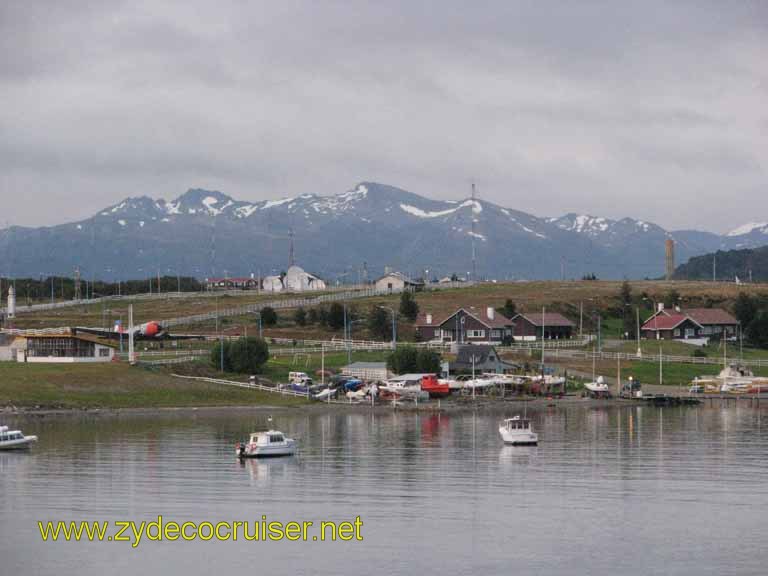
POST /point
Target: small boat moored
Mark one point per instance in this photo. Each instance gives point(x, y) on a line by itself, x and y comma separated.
point(14, 439)
point(265, 444)
point(518, 431)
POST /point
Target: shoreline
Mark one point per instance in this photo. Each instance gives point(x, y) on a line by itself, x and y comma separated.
point(449, 406)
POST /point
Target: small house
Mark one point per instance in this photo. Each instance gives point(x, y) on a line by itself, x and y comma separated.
point(549, 326)
point(465, 326)
point(397, 282)
point(483, 357)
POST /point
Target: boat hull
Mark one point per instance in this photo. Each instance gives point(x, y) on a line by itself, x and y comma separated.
point(519, 437)
point(289, 449)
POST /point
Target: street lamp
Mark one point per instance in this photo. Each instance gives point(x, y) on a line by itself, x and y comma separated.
point(394, 324)
point(656, 329)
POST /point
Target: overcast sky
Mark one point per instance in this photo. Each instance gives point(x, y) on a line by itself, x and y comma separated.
point(656, 110)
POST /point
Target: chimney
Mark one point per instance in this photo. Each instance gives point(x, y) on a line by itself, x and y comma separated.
point(660, 307)
point(387, 270)
point(429, 318)
point(490, 312)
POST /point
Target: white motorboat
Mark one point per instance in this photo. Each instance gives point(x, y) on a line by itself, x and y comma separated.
point(265, 444)
point(325, 394)
point(14, 439)
point(598, 387)
point(518, 431)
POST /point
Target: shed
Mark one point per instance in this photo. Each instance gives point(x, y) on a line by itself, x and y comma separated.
point(486, 359)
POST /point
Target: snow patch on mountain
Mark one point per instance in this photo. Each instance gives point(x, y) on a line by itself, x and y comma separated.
point(748, 228)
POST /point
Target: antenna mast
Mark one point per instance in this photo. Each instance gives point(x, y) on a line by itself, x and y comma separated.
point(474, 254)
point(291, 260)
point(77, 295)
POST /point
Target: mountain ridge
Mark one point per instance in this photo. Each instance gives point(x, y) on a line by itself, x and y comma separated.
point(207, 232)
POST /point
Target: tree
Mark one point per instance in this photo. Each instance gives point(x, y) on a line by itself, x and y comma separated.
point(428, 361)
point(248, 355)
point(268, 316)
point(243, 356)
point(745, 308)
point(300, 316)
point(378, 324)
point(312, 316)
point(628, 315)
point(403, 360)
point(757, 331)
point(217, 356)
point(672, 298)
point(336, 316)
point(409, 308)
point(509, 309)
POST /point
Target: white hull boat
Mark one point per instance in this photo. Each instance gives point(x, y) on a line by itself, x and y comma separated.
point(597, 387)
point(15, 439)
point(266, 444)
point(518, 431)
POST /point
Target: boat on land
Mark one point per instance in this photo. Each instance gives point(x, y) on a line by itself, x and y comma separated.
point(518, 431)
point(734, 379)
point(597, 387)
point(14, 439)
point(266, 444)
point(435, 387)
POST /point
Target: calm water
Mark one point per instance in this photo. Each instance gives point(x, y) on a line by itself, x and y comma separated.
point(608, 491)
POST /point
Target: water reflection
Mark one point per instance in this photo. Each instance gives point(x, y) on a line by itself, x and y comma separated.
point(625, 480)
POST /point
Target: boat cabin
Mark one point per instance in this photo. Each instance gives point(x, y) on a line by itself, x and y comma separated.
point(8, 435)
point(269, 437)
point(517, 423)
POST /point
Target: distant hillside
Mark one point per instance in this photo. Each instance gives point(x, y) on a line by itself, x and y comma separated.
point(730, 264)
point(345, 236)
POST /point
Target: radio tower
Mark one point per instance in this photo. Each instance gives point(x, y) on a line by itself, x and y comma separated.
point(77, 284)
point(291, 259)
point(474, 221)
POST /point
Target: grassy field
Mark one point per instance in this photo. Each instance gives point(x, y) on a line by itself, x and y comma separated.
point(566, 297)
point(105, 314)
point(714, 350)
point(117, 385)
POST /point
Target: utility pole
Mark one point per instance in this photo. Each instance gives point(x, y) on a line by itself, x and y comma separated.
point(714, 267)
point(474, 255)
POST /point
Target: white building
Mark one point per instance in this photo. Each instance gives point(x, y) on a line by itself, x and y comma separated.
point(397, 282)
point(295, 280)
point(65, 348)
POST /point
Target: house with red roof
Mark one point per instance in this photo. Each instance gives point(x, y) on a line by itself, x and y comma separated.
point(690, 323)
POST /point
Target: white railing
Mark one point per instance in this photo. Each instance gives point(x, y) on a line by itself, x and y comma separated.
point(369, 288)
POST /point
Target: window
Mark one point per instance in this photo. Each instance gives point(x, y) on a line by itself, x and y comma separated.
point(496, 333)
point(104, 352)
point(677, 332)
point(475, 333)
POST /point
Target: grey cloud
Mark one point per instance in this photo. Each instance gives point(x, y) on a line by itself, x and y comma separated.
point(612, 108)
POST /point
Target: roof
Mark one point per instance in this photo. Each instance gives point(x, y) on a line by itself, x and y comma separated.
point(479, 351)
point(705, 316)
point(366, 366)
point(402, 277)
point(549, 318)
point(498, 321)
point(666, 322)
point(242, 279)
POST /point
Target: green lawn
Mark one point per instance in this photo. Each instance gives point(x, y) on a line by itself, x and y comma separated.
point(278, 367)
point(674, 374)
point(677, 348)
point(117, 385)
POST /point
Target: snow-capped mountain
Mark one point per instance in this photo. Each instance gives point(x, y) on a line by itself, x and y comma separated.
point(205, 233)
